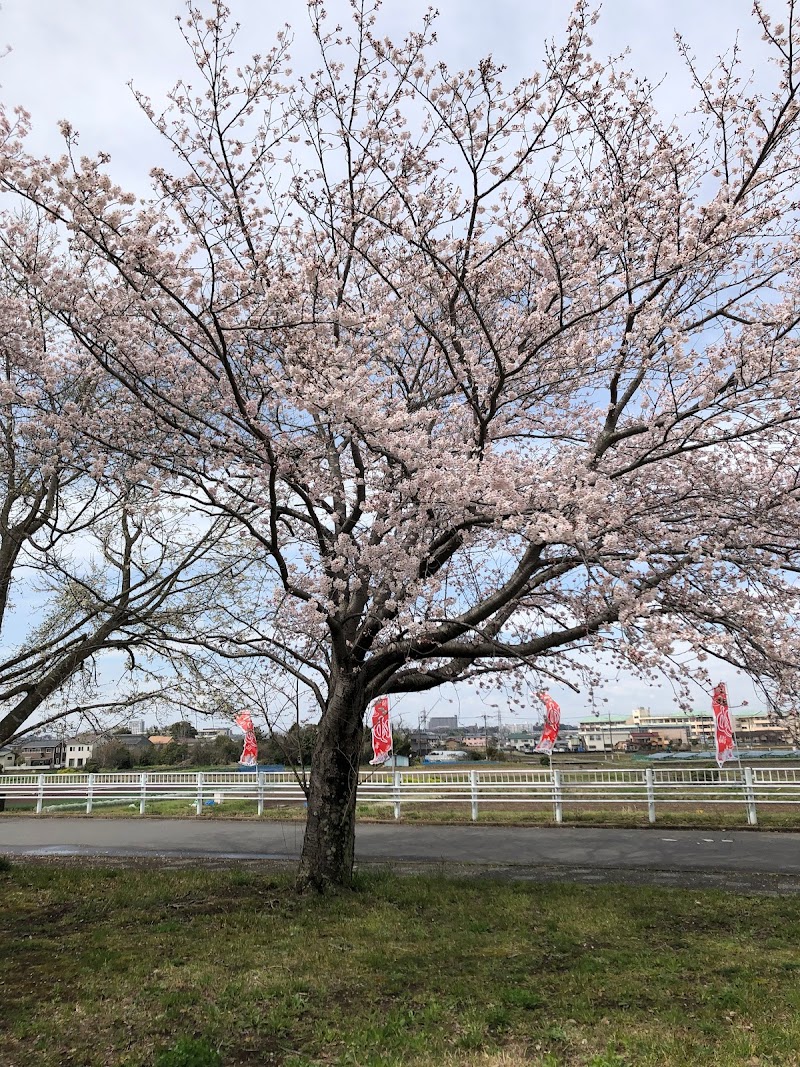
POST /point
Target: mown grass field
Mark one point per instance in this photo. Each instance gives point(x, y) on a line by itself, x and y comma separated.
point(126, 967)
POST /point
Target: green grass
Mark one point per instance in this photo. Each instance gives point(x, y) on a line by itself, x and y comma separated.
point(126, 968)
point(708, 817)
point(622, 815)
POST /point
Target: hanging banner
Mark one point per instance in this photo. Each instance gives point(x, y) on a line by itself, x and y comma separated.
point(249, 757)
point(381, 732)
point(552, 722)
point(723, 731)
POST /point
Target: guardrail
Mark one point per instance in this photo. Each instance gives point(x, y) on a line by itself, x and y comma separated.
point(749, 786)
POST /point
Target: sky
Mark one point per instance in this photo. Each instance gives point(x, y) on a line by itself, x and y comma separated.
point(74, 59)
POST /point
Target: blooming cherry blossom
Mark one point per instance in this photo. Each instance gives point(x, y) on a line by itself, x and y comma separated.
point(490, 377)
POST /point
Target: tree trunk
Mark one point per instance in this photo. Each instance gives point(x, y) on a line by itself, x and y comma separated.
point(328, 846)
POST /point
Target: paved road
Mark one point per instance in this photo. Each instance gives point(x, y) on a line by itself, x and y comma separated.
point(567, 847)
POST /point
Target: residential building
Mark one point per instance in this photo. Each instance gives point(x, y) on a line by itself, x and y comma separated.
point(474, 741)
point(569, 739)
point(422, 741)
point(78, 751)
point(604, 736)
point(522, 740)
point(452, 744)
point(44, 752)
point(132, 741)
point(208, 733)
point(7, 759)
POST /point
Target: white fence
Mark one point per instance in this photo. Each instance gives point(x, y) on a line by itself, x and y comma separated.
point(749, 787)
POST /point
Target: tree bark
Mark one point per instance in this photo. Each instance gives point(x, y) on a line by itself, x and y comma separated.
point(328, 846)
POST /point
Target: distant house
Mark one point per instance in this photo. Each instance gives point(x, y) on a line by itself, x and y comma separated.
point(422, 741)
point(136, 744)
point(474, 741)
point(78, 751)
point(453, 743)
point(522, 741)
point(133, 742)
point(160, 739)
point(44, 752)
point(7, 758)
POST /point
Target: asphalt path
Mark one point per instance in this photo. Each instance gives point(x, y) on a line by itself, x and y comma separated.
point(530, 847)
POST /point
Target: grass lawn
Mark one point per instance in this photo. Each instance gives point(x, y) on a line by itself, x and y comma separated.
point(112, 967)
point(690, 816)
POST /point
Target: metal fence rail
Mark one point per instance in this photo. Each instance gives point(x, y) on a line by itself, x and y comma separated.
point(748, 787)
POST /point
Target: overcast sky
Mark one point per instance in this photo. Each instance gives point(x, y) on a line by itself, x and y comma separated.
point(74, 58)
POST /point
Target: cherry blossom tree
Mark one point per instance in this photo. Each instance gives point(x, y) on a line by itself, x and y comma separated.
point(90, 564)
point(495, 380)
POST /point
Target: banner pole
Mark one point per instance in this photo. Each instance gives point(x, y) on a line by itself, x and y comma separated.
point(749, 800)
point(556, 806)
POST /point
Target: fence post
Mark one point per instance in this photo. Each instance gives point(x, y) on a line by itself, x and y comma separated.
point(473, 789)
point(750, 797)
point(89, 794)
point(397, 794)
point(260, 792)
point(40, 795)
point(143, 792)
point(557, 808)
point(199, 803)
point(651, 794)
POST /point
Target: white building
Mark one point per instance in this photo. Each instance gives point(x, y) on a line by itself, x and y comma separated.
point(611, 731)
point(604, 736)
point(208, 733)
point(699, 725)
point(78, 752)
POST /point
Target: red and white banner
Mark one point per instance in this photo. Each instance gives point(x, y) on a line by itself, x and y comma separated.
point(249, 757)
point(381, 732)
point(552, 722)
point(723, 730)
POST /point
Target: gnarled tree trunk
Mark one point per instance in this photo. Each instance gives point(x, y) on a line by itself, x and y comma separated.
point(328, 846)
